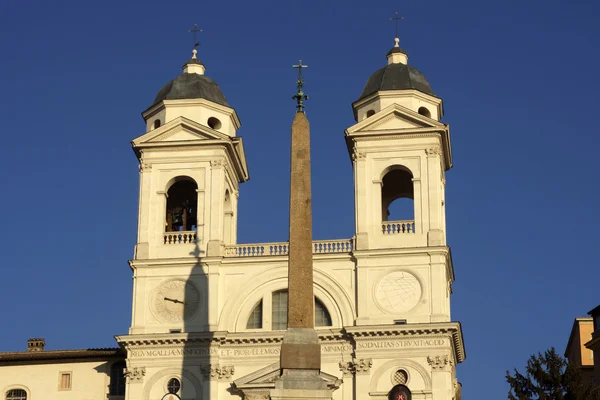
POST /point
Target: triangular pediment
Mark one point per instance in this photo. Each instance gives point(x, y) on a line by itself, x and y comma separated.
point(392, 118)
point(180, 129)
point(265, 378)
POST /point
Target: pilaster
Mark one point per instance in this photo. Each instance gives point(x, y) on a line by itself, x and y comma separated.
point(441, 376)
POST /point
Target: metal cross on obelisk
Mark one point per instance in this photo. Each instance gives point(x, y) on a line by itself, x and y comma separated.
point(300, 351)
point(195, 30)
point(396, 18)
point(300, 96)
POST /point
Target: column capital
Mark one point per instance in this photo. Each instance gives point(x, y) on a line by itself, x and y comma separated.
point(356, 366)
point(440, 362)
point(217, 372)
point(135, 374)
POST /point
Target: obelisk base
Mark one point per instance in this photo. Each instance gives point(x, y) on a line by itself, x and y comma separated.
point(300, 384)
point(300, 364)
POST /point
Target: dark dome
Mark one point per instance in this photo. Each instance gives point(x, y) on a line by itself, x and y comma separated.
point(191, 86)
point(396, 50)
point(396, 77)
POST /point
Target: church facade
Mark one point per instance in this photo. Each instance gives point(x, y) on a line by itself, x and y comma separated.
point(208, 313)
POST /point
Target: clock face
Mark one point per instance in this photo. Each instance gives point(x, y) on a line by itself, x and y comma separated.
point(175, 300)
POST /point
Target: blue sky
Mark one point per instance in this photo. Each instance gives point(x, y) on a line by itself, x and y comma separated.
point(519, 82)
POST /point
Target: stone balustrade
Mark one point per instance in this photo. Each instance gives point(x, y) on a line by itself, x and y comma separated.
point(282, 248)
point(181, 237)
point(397, 227)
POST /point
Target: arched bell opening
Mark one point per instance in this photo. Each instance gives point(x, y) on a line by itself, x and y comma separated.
point(397, 195)
point(182, 205)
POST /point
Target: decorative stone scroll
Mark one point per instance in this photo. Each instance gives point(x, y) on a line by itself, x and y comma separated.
point(216, 163)
point(144, 166)
point(356, 155)
point(347, 367)
point(433, 151)
point(439, 362)
point(216, 371)
point(362, 366)
point(135, 374)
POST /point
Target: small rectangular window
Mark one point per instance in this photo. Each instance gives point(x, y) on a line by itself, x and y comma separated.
point(64, 381)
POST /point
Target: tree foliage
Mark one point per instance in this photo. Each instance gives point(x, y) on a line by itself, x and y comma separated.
point(548, 376)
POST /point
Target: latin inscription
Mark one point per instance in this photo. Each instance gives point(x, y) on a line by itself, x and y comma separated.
point(336, 348)
point(401, 344)
point(173, 352)
point(274, 351)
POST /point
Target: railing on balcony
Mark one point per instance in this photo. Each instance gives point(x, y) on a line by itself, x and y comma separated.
point(282, 248)
point(397, 227)
point(181, 237)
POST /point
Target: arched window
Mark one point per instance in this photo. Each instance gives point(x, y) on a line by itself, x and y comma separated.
point(117, 379)
point(322, 317)
point(182, 206)
point(424, 111)
point(370, 113)
point(255, 320)
point(279, 310)
point(16, 394)
point(279, 314)
point(397, 195)
point(156, 123)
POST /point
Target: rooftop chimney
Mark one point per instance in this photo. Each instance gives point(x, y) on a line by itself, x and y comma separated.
point(36, 344)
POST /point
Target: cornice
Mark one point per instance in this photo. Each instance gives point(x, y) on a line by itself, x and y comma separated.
point(396, 93)
point(229, 261)
point(442, 133)
point(452, 329)
point(193, 102)
point(234, 150)
point(429, 250)
point(348, 334)
point(218, 338)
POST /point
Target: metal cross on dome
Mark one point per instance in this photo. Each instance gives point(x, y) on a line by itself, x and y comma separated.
point(300, 96)
point(396, 18)
point(195, 30)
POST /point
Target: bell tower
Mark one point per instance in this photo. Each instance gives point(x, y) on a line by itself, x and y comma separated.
point(191, 165)
point(400, 152)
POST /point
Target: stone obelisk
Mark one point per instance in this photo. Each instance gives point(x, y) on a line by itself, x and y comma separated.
point(300, 352)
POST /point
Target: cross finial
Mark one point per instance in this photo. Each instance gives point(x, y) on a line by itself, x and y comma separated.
point(195, 30)
point(396, 18)
point(300, 96)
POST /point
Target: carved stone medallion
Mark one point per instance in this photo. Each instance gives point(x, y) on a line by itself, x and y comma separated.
point(398, 291)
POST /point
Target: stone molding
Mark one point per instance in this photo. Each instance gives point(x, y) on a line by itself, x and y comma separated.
point(135, 374)
point(216, 163)
point(217, 372)
point(433, 151)
point(144, 166)
point(439, 362)
point(360, 366)
point(442, 330)
point(363, 366)
point(357, 155)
